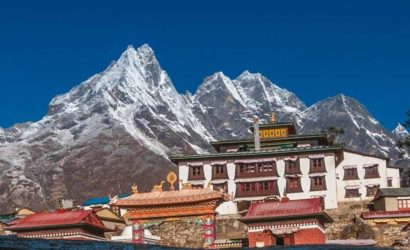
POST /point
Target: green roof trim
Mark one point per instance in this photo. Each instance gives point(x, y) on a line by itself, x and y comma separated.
point(274, 152)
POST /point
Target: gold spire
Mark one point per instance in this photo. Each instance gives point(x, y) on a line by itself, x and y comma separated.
point(273, 118)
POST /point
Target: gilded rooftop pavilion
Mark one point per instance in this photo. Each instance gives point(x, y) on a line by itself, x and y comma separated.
point(181, 218)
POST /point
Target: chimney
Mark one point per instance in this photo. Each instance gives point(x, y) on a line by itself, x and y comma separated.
point(256, 133)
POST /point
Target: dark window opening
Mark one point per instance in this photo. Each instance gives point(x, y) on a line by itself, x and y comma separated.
point(371, 172)
point(317, 165)
point(350, 174)
point(352, 193)
point(293, 185)
point(196, 173)
point(292, 167)
point(317, 183)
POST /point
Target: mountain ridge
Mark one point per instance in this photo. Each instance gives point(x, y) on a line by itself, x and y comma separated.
point(119, 126)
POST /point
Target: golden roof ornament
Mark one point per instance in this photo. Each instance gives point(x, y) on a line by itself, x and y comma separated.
point(186, 185)
point(209, 185)
point(158, 188)
point(134, 189)
point(273, 118)
point(171, 179)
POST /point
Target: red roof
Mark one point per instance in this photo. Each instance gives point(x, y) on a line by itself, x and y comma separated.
point(385, 214)
point(286, 208)
point(59, 219)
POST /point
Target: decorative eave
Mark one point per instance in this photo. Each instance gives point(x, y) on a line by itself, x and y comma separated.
point(322, 216)
point(248, 154)
point(385, 214)
point(173, 211)
point(60, 226)
point(166, 198)
point(290, 138)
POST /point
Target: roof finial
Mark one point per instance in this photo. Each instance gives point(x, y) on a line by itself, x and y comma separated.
point(134, 188)
point(158, 188)
point(273, 118)
point(171, 179)
point(187, 185)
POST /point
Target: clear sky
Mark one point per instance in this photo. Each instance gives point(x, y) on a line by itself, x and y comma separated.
point(315, 49)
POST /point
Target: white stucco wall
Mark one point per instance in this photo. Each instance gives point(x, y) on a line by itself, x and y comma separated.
point(359, 161)
point(329, 194)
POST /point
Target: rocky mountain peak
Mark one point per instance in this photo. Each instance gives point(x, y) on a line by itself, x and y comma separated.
point(248, 75)
point(400, 131)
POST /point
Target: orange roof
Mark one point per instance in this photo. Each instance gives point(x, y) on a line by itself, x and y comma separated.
point(169, 197)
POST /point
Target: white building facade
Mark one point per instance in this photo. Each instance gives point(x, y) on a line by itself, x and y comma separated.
point(298, 166)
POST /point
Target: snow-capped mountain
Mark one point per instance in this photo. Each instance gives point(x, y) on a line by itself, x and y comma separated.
point(226, 106)
point(119, 126)
point(114, 129)
point(401, 132)
point(362, 132)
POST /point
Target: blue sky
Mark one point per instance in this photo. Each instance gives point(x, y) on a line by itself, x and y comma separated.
point(314, 48)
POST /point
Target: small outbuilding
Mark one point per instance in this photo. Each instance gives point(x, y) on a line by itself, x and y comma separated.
point(286, 222)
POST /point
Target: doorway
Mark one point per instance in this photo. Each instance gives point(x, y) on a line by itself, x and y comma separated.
point(280, 241)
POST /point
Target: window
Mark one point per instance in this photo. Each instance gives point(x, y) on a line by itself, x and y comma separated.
point(292, 167)
point(219, 171)
point(246, 168)
point(293, 185)
point(403, 204)
point(390, 182)
point(351, 174)
point(265, 186)
point(317, 165)
point(371, 190)
point(196, 173)
point(248, 187)
point(196, 170)
point(262, 188)
point(371, 172)
point(352, 193)
point(317, 183)
point(256, 169)
point(221, 186)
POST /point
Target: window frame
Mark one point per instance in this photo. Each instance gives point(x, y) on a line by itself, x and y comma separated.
point(316, 186)
point(347, 176)
point(292, 167)
point(219, 171)
point(317, 165)
point(371, 172)
point(196, 172)
point(349, 190)
point(290, 184)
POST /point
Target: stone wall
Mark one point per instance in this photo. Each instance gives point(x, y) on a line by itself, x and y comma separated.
point(228, 227)
point(180, 233)
point(349, 225)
